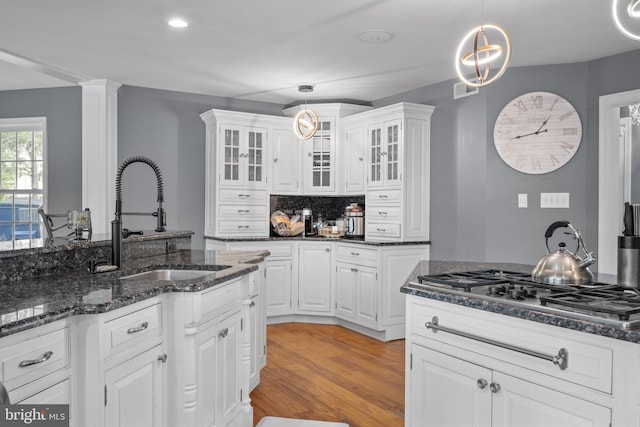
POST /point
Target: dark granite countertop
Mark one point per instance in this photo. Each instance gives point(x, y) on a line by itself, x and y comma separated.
point(412, 287)
point(317, 238)
point(30, 302)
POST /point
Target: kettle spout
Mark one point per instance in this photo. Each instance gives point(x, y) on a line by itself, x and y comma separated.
point(587, 261)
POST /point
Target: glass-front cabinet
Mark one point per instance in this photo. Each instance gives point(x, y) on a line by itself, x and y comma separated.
point(385, 167)
point(242, 157)
point(320, 159)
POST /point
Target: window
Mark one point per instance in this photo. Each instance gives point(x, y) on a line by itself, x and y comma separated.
point(22, 180)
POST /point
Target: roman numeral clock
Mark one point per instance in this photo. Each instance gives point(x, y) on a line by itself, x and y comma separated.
point(537, 132)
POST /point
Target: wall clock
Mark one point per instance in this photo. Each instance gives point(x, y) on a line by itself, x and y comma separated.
point(537, 132)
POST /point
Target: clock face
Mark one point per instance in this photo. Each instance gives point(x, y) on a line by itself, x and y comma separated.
point(537, 132)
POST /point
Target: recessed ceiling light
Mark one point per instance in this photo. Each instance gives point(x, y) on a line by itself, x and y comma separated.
point(375, 36)
point(178, 23)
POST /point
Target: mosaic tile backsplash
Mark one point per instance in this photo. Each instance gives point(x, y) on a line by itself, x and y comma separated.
point(330, 207)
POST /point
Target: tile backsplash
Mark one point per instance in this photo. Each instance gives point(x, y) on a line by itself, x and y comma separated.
point(330, 207)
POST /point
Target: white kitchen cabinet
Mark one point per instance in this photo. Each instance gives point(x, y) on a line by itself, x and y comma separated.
point(356, 293)
point(123, 369)
point(447, 391)
point(353, 157)
point(397, 169)
point(134, 389)
point(463, 375)
point(258, 323)
point(314, 278)
point(242, 156)
point(285, 161)
point(384, 146)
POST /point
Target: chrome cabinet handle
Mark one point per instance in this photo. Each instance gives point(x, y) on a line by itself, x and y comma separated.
point(223, 333)
point(243, 211)
point(360, 158)
point(163, 358)
point(355, 270)
point(244, 195)
point(482, 383)
point(382, 213)
point(275, 160)
point(44, 358)
point(383, 196)
point(327, 250)
point(253, 303)
point(243, 226)
point(561, 360)
point(142, 327)
point(494, 387)
point(355, 253)
point(382, 230)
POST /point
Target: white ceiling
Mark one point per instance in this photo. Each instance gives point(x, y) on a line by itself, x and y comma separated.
point(261, 50)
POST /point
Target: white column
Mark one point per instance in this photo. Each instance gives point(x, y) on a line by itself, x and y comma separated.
point(99, 151)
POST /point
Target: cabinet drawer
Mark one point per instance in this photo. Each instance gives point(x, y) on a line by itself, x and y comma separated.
point(236, 227)
point(377, 197)
point(219, 300)
point(589, 364)
point(34, 358)
point(384, 213)
point(133, 328)
point(381, 230)
point(243, 196)
point(353, 254)
point(235, 212)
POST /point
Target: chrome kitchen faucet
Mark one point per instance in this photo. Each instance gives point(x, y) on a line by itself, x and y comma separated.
point(116, 225)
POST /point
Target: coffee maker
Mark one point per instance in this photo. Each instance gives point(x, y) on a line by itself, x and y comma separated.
point(307, 218)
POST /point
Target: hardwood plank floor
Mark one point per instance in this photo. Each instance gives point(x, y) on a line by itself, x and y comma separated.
point(329, 373)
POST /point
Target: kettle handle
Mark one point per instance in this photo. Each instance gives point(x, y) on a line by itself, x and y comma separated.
point(553, 227)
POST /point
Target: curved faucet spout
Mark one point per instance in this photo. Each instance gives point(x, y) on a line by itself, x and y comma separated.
point(116, 224)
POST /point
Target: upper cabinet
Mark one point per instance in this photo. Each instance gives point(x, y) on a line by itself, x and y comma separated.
point(384, 151)
point(321, 173)
point(242, 156)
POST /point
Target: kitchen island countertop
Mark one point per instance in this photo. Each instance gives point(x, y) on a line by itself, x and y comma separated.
point(412, 287)
point(31, 302)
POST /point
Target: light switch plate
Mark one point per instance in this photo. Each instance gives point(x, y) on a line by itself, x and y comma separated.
point(554, 200)
point(522, 200)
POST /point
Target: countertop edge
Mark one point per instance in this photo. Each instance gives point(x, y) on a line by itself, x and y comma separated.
point(317, 239)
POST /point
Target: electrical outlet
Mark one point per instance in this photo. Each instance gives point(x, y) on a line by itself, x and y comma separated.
point(522, 200)
point(554, 200)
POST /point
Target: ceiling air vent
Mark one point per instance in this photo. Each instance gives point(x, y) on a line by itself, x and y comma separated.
point(460, 90)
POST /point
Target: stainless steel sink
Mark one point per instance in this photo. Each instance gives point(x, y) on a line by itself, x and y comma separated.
point(173, 274)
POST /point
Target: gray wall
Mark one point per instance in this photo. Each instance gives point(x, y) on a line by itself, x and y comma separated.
point(474, 214)
point(63, 109)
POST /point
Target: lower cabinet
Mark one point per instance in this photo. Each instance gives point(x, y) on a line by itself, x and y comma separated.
point(448, 391)
point(134, 391)
point(314, 278)
point(489, 370)
point(279, 279)
point(356, 296)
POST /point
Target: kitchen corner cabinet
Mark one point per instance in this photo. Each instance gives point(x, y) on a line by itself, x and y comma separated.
point(321, 154)
point(314, 277)
point(456, 380)
point(353, 156)
point(360, 282)
point(285, 161)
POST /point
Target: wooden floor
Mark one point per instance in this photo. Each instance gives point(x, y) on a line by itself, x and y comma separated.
point(329, 373)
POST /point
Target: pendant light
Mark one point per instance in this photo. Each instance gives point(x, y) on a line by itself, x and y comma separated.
point(305, 124)
point(627, 18)
point(479, 54)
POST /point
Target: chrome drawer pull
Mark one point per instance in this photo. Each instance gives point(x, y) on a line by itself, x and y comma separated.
point(253, 303)
point(142, 327)
point(44, 358)
point(243, 226)
point(163, 358)
point(355, 270)
point(243, 211)
point(223, 333)
point(355, 253)
point(383, 213)
point(244, 195)
point(382, 230)
point(383, 196)
point(561, 360)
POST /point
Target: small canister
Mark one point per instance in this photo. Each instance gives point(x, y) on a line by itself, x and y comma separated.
point(629, 261)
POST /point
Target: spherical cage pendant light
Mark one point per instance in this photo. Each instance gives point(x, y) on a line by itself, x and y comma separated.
point(627, 19)
point(482, 55)
point(305, 124)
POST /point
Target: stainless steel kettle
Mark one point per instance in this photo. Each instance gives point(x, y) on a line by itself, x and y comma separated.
point(564, 267)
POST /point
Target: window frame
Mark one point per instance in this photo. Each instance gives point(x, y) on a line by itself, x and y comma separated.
point(17, 124)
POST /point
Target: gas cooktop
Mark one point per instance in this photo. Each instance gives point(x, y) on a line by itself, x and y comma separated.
point(600, 302)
